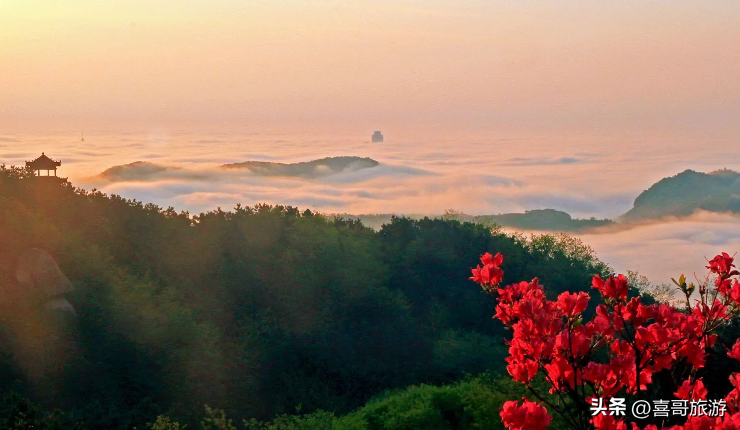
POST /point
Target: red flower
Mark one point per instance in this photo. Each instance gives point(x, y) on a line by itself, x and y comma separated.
point(528, 416)
point(735, 351)
point(523, 372)
point(608, 422)
point(613, 288)
point(733, 291)
point(700, 423)
point(733, 398)
point(691, 391)
point(576, 344)
point(487, 259)
point(560, 371)
point(490, 273)
point(571, 304)
point(603, 352)
point(729, 422)
point(694, 354)
point(722, 265)
point(515, 292)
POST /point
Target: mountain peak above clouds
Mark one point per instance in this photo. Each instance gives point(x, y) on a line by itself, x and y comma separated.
point(307, 169)
point(687, 192)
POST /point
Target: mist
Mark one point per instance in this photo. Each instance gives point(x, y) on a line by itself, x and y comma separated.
point(582, 175)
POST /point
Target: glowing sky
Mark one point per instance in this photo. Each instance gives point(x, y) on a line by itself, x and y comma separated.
point(350, 66)
point(505, 105)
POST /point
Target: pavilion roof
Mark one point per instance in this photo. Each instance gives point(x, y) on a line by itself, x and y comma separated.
point(43, 163)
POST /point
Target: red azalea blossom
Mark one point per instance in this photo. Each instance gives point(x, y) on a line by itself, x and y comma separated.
point(735, 291)
point(692, 390)
point(722, 265)
point(735, 351)
point(528, 416)
point(618, 351)
point(613, 288)
point(490, 273)
point(496, 260)
point(571, 304)
point(608, 422)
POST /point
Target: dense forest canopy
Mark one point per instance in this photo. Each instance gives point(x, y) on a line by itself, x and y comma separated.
point(260, 310)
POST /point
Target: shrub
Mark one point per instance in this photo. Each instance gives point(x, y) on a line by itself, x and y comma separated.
point(627, 350)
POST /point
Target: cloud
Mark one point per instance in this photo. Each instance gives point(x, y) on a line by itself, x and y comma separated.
point(16, 155)
point(366, 194)
point(542, 161)
point(665, 249)
point(698, 218)
point(492, 180)
point(93, 154)
point(381, 171)
point(313, 202)
point(195, 160)
point(259, 156)
point(436, 156)
point(597, 177)
point(9, 139)
point(573, 203)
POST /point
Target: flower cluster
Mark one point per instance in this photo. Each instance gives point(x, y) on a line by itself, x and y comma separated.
point(528, 416)
point(618, 351)
point(490, 274)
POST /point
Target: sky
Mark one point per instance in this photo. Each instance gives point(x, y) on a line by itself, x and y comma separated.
point(488, 106)
point(411, 68)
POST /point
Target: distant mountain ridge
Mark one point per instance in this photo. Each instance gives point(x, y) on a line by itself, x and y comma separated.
point(136, 171)
point(311, 169)
point(147, 171)
point(687, 192)
point(537, 219)
point(545, 219)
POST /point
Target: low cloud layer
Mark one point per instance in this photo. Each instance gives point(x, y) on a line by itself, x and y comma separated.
point(586, 177)
point(666, 248)
point(669, 247)
point(542, 161)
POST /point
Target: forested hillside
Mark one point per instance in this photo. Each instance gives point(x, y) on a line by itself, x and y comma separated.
point(259, 310)
point(686, 192)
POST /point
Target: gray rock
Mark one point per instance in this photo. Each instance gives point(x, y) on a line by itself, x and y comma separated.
point(37, 269)
point(60, 304)
point(39, 275)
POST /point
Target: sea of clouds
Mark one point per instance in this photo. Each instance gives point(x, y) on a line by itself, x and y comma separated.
point(585, 176)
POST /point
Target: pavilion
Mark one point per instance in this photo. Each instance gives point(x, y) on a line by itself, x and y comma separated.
point(44, 163)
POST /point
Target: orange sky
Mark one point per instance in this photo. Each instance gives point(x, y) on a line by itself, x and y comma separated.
point(653, 66)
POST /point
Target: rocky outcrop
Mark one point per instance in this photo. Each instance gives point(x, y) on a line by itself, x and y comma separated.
point(39, 324)
point(40, 278)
